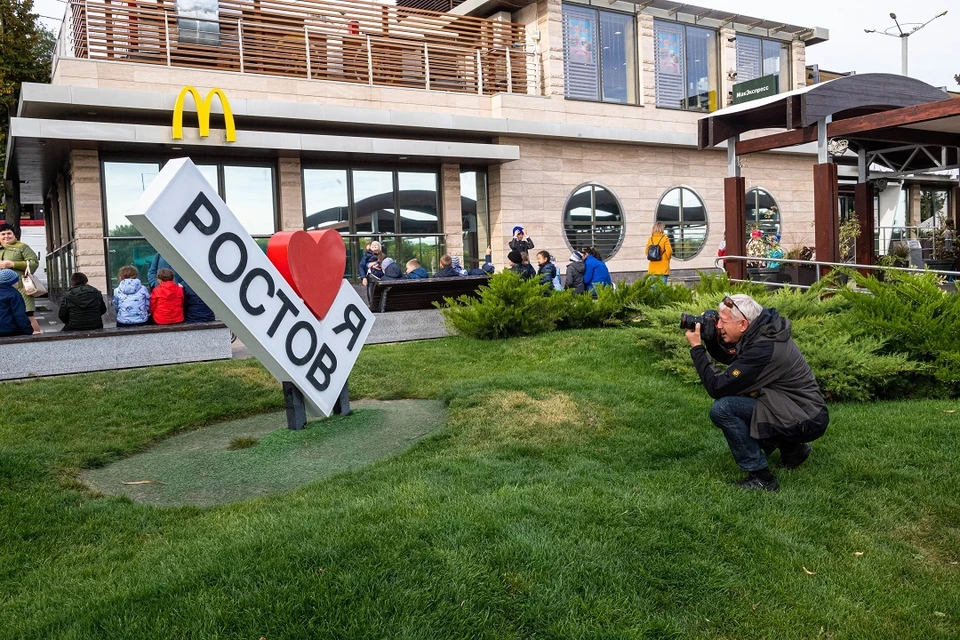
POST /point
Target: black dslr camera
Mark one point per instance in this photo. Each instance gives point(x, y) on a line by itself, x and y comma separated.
point(708, 323)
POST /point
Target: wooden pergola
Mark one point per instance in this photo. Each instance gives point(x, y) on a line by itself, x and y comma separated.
point(898, 123)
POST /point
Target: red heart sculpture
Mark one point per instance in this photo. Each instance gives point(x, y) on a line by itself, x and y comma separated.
point(312, 262)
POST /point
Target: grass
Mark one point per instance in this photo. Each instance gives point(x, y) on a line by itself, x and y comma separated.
point(575, 492)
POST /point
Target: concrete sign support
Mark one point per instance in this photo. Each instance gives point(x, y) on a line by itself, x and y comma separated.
point(184, 219)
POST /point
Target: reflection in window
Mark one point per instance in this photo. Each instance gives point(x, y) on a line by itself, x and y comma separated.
point(249, 190)
point(418, 199)
point(686, 66)
point(250, 195)
point(124, 251)
point(475, 209)
point(758, 57)
point(599, 55)
point(373, 201)
point(210, 172)
point(684, 218)
point(325, 199)
point(762, 212)
point(362, 204)
point(593, 217)
point(123, 183)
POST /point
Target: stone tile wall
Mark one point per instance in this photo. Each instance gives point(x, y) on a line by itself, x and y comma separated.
point(88, 216)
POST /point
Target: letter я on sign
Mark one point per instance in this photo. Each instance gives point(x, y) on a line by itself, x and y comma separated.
point(184, 219)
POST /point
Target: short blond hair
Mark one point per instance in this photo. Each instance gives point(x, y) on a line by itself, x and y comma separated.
point(657, 228)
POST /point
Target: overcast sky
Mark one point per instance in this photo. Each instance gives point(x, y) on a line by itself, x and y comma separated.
point(933, 51)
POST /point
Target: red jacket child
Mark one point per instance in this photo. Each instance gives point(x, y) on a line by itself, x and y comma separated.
point(166, 300)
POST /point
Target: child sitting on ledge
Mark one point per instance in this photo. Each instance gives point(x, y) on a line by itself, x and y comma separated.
point(166, 301)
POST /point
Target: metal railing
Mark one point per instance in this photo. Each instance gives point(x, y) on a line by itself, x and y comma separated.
point(319, 39)
point(818, 267)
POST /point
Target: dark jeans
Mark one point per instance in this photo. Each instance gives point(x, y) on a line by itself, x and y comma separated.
point(732, 415)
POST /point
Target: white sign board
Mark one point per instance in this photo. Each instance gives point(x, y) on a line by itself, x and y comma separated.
point(184, 219)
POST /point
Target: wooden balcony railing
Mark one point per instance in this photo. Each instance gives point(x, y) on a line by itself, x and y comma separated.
point(338, 40)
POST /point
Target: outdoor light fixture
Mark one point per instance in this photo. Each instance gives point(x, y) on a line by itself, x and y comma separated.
point(904, 35)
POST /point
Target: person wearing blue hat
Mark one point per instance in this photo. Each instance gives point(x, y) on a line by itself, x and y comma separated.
point(13, 310)
point(520, 241)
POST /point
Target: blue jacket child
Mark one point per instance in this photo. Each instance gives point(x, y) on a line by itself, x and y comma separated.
point(596, 272)
point(131, 299)
point(13, 310)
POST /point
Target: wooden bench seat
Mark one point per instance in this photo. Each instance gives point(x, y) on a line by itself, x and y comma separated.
point(406, 295)
point(61, 352)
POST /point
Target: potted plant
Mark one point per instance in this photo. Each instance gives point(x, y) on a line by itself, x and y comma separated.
point(849, 233)
point(898, 256)
point(943, 253)
point(760, 246)
point(801, 274)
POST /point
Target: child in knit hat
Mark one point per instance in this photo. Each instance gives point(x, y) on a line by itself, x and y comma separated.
point(520, 241)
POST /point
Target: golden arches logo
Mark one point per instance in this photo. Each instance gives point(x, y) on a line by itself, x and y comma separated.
point(203, 113)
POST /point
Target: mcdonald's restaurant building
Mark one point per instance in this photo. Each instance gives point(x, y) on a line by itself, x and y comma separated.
point(434, 131)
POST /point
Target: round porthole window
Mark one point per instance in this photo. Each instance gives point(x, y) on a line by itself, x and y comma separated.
point(684, 219)
point(593, 217)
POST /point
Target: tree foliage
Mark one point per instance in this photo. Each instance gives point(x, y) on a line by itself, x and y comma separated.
point(26, 48)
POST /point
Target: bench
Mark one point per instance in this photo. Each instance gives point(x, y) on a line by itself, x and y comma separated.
point(407, 295)
point(61, 352)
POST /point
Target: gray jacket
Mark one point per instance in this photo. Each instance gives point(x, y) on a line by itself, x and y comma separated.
point(767, 365)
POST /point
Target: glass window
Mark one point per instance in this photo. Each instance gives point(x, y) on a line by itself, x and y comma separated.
point(366, 205)
point(686, 68)
point(250, 195)
point(475, 210)
point(325, 199)
point(211, 173)
point(593, 217)
point(123, 184)
point(758, 57)
point(762, 212)
point(599, 55)
point(373, 201)
point(123, 251)
point(684, 218)
point(418, 198)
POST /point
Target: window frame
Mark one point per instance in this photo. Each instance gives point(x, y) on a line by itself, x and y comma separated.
point(685, 26)
point(593, 216)
point(162, 160)
point(706, 217)
point(788, 74)
point(353, 237)
point(776, 203)
point(634, 48)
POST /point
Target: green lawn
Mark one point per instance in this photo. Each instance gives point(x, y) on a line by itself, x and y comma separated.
point(574, 492)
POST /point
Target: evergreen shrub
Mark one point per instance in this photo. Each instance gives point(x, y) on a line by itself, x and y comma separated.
point(507, 307)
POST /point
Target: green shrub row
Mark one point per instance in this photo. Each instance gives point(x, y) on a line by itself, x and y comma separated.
point(880, 339)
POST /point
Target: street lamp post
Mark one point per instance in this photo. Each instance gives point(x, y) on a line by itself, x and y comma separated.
point(904, 35)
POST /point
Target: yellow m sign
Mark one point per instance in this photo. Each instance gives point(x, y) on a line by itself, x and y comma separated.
point(203, 113)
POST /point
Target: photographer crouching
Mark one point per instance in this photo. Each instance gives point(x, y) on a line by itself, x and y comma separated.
point(767, 398)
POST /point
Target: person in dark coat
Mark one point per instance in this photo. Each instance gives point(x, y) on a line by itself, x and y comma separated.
point(767, 396)
point(13, 310)
point(194, 308)
point(83, 306)
point(546, 270)
point(369, 257)
point(520, 241)
point(525, 271)
point(447, 269)
point(575, 271)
